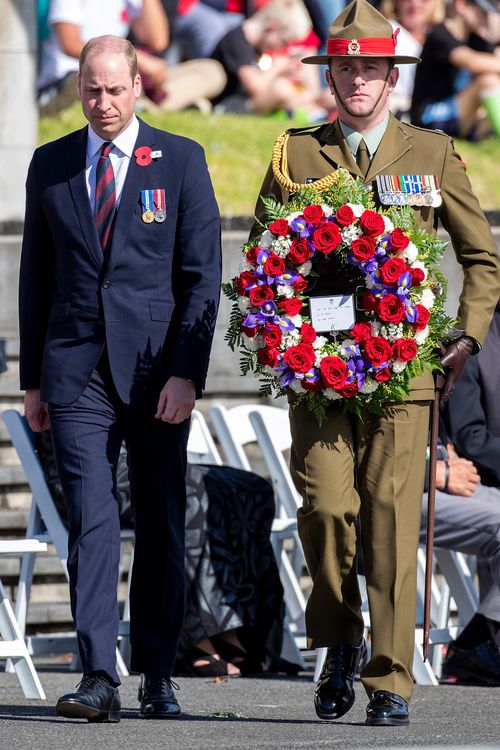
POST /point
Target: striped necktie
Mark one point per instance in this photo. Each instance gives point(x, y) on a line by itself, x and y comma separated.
point(363, 158)
point(105, 197)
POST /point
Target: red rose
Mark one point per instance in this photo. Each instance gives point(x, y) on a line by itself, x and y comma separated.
point(378, 350)
point(267, 356)
point(250, 332)
point(291, 306)
point(392, 270)
point(399, 240)
point(361, 332)
point(390, 309)
point(272, 336)
point(327, 238)
point(279, 228)
point(423, 316)
point(260, 294)
point(349, 390)
point(344, 216)
point(299, 251)
point(369, 302)
point(274, 265)
point(309, 385)
point(363, 249)
point(404, 349)
point(371, 223)
point(417, 276)
point(300, 284)
point(313, 214)
point(300, 358)
point(244, 280)
point(251, 254)
point(334, 372)
point(382, 375)
point(307, 333)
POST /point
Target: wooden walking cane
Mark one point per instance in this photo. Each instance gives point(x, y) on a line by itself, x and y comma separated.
point(431, 501)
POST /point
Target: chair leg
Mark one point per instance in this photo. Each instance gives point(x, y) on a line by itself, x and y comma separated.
point(14, 647)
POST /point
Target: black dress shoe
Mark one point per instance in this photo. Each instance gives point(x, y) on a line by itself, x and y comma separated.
point(387, 709)
point(334, 694)
point(157, 698)
point(94, 700)
point(479, 665)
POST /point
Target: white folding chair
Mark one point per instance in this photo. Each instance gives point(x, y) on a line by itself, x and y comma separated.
point(44, 524)
point(201, 447)
point(12, 645)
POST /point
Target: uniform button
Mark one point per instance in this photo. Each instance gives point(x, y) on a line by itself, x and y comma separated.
point(106, 284)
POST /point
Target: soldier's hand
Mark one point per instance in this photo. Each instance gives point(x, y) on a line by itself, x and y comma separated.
point(454, 358)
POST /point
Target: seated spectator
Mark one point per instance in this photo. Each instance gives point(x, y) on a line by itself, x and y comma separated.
point(260, 80)
point(200, 25)
point(457, 84)
point(73, 22)
point(414, 19)
point(467, 520)
point(234, 615)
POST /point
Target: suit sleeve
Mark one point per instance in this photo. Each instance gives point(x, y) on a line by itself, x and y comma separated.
point(466, 424)
point(474, 247)
point(35, 282)
point(196, 273)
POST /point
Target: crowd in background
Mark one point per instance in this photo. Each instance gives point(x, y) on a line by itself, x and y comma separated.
point(244, 56)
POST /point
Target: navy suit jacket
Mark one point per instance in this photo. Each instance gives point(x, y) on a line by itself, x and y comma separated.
point(152, 300)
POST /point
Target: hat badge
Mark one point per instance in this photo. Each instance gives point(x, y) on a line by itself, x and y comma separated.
point(353, 48)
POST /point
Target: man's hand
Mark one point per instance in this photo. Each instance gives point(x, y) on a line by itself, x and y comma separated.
point(36, 411)
point(454, 359)
point(176, 400)
point(463, 476)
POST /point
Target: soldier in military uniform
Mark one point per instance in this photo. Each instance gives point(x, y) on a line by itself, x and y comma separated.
point(386, 454)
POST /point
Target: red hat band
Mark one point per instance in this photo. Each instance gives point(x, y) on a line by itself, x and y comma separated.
point(368, 46)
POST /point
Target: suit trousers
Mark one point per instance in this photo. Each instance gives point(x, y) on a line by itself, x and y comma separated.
point(472, 525)
point(87, 436)
point(372, 468)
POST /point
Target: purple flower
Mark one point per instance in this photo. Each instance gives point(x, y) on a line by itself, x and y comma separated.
point(301, 227)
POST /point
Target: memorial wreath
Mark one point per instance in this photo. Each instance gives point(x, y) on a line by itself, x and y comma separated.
point(364, 347)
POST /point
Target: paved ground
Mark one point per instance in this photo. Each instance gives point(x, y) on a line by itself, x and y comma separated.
point(242, 714)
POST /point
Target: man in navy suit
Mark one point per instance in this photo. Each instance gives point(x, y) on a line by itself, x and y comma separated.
point(115, 332)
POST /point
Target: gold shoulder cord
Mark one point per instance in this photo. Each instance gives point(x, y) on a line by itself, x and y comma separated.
point(280, 169)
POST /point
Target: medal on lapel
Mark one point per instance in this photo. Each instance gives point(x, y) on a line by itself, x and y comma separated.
point(147, 206)
point(159, 199)
point(409, 190)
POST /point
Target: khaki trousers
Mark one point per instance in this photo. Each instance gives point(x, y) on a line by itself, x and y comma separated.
point(386, 454)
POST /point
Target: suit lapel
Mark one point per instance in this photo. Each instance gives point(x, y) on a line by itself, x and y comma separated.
point(394, 144)
point(138, 178)
point(79, 192)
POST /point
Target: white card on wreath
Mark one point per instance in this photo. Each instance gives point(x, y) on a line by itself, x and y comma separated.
point(335, 313)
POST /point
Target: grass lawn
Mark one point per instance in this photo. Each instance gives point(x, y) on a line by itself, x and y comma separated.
point(238, 150)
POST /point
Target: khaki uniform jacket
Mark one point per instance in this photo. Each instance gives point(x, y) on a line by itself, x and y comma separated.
point(406, 149)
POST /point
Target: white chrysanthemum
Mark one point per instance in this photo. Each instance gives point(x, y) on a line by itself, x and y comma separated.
point(410, 253)
point(331, 394)
point(305, 268)
point(374, 327)
point(327, 210)
point(357, 209)
point(350, 233)
point(388, 225)
point(285, 290)
point(243, 304)
point(422, 336)
point(266, 239)
point(427, 298)
point(252, 344)
point(419, 264)
point(296, 385)
point(281, 246)
point(319, 342)
point(296, 319)
point(292, 338)
point(398, 365)
point(369, 386)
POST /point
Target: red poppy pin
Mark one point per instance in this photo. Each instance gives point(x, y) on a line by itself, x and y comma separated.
point(143, 156)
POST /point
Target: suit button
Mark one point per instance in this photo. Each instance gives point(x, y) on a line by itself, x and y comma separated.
point(106, 284)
